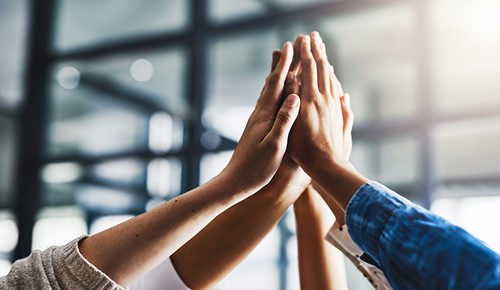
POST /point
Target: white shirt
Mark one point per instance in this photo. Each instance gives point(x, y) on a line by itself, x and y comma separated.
point(163, 277)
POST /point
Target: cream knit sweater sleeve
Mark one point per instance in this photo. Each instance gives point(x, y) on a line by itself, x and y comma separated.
point(60, 267)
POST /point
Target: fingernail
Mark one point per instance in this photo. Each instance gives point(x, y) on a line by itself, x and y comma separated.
point(290, 77)
point(307, 38)
point(292, 101)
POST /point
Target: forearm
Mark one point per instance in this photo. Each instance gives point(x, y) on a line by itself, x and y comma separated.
point(228, 239)
point(415, 248)
point(127, 251)
point(339, 180)
point(321, 266)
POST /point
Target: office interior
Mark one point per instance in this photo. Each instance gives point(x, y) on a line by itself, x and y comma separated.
point(109, 108)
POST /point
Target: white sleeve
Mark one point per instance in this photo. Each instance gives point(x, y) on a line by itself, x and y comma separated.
point(340, 238)
point(163, 277)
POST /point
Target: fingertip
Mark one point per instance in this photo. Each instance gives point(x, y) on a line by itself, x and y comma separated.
point(292, 100)
point(307, 39)
point(287, 45)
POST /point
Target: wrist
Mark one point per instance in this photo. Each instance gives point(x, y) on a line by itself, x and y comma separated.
point(282, 192)
point(229, 189)
point(338, 178)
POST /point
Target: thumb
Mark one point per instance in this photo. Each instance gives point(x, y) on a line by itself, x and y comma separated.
point(285, 118)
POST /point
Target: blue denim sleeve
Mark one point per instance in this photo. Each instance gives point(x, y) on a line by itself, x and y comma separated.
point(415, 248)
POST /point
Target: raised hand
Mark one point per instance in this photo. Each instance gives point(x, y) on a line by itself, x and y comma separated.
point(320, 141)
point(318, 132)
point(264, 141)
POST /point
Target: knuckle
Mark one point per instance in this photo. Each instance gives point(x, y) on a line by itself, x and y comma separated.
point(274, 79)
point(308, 62)
point(284, 116)
point(324, 64)
point(274, 147)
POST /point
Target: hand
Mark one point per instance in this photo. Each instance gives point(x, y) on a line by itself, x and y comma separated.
point(290, 179)
point(319, 130)
point(264, 141)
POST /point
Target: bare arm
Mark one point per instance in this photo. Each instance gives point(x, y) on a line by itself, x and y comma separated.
point(127, 251)
point(227, 240)
point(318, 138)
point(321, 266)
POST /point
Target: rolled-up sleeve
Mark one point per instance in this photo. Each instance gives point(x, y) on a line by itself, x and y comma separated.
point(415, 248)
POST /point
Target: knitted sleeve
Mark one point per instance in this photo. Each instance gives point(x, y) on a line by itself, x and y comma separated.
point(58, 267)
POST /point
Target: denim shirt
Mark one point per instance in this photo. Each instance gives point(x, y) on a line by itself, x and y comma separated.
point(415, 248)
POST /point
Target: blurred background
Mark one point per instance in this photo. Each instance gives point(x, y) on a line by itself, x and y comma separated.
point(110, 107)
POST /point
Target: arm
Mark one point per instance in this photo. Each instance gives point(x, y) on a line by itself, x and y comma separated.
point(228, 239)
point(321, 266)
point(134, 247)
point(416, 249)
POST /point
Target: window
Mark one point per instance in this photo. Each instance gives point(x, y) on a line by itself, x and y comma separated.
point(139, 96)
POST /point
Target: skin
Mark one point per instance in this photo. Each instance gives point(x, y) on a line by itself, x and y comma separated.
point(321, 266)
point(317, 139)
point(229, 238)
point(129, 250)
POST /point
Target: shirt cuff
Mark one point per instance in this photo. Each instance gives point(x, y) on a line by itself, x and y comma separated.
point(339, 237)
point(367, 212)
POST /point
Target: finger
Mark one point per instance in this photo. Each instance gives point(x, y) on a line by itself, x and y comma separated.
point(275, 59)
point(309, 73)
point(335, 85)
point(291, 85)
point(338, 86)
point(323, 66)
point(276, 80)
point(284, 120)
point(294, 67)
point(347, 114)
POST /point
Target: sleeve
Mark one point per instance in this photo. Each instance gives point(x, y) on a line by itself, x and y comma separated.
point(58, 267)
point(164, 276)
point(415, 248)
point(339, 237)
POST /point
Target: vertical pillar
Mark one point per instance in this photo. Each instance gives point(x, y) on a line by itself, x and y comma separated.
point(31, 122)
point(196, 91)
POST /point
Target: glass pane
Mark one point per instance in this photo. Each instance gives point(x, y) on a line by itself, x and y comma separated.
point(465, 47)
point(164, 177)
point(154, 77)
point(393, 161)
point(212, 164)
point(374, 56)
point(223, 10)
point(235, 82)
point(9, 232)
point(57, 226)
point(467, 150)
point(108, 200)
point(4, 267)
point(477, 215)
point(115, 20)
point(13, 23)
point(88, 122)
point(7, 159)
